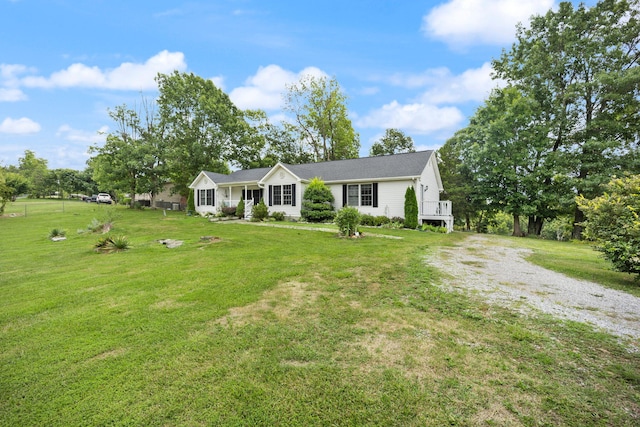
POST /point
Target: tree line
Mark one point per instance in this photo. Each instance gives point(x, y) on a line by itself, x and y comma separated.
point(193, 126)
point(566, 123)
point(33, 177)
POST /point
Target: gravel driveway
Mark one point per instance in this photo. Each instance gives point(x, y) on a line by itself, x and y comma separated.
point(499, 273)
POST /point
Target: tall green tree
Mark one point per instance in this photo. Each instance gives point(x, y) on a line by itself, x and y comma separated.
point(321, 118)
point(133, 158)
point(12, 184)
point(34, 170)
point(509, 158)
point(394, 141)
point(459, 183)
point(581, 65)
point(275, 142)
point(203, 128)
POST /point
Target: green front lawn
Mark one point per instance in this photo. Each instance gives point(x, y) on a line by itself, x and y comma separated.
point(277, 326)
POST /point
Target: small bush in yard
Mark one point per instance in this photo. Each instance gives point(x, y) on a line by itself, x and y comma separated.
point(374, 221)
point(229, 210)
point(97, 226)
point(57, 232)
point(347, 219)
point(381, 220)
point(240, 209)
point(434, 228)
point(613, 223)
point(394, 225)
point(112, 244)
point(278, 216)
point(259, 212)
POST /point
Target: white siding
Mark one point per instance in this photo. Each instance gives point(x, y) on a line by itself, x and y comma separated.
point(205, 183)
point(428, 184)
point(281, 176)
point(390, 198)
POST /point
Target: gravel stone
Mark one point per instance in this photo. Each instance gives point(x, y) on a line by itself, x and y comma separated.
point(490, 268)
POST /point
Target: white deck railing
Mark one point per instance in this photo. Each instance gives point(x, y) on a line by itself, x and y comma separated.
point(248, 204)
point(441, 208)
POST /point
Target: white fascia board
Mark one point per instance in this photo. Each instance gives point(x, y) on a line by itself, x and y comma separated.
point(273, 171)
point(395, 178)
point(195, 181)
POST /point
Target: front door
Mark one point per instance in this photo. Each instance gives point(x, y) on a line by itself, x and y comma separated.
point(254, 195)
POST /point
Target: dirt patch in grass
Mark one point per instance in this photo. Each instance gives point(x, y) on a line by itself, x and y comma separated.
point(281, 302)
point(109, 354)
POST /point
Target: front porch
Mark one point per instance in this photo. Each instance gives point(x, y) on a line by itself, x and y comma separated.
point(230, 203)
point(437, 211)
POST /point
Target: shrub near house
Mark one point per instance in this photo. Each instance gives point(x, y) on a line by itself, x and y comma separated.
point(317, 202)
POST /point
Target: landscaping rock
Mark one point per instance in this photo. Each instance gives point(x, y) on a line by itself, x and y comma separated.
point(171, 243)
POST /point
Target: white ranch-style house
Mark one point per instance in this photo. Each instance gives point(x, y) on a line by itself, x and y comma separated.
point(374, 185)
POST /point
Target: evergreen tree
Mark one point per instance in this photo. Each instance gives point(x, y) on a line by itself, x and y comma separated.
point(240, 209)
point(317, 202)
point(410, 208)
point(191, 204)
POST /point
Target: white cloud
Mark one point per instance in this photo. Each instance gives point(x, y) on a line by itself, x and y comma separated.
point(472, 85)
point(127, 76)
point(369, 90)
point(68, 133)
point(11, 95)
point(444, 87)
point(218, 81)
point(264, 90)
point(10, 71)
point(416, 118)
point(9, 82)
point(19, 126)
point(426, 78)
point(473, 22)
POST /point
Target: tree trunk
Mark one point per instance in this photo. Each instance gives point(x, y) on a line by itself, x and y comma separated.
point(534, 227)
point(517, 232)
point(539, 225)
point(578, 218)
point(467, 219)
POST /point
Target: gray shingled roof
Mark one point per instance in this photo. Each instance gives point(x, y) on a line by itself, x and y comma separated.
point(249, 175)
point(378, 167)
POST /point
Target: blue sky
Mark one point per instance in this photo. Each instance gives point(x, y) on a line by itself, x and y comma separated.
point(419, 66)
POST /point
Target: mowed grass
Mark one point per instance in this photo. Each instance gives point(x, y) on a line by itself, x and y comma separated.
point(272, 326)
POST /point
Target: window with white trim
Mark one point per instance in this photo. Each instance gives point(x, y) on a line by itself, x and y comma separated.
point(366, 194)
point(205, 197)
point(277, 195)
point(280, 195)
point(353, 192)
point(360, 195)
point(286, 194)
